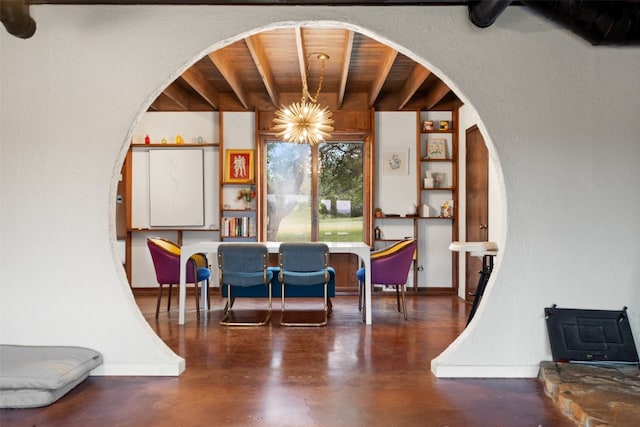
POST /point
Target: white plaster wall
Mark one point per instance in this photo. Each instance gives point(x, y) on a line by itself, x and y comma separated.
point(562, 116)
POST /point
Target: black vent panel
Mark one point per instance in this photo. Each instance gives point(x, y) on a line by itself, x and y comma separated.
point(590, 335)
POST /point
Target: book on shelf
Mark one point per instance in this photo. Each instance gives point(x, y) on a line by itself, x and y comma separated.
point(237, 226)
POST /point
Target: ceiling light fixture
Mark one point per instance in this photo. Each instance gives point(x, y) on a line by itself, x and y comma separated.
point(305, 122)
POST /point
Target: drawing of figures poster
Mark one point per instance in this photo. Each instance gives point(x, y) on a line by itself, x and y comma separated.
point(238, 166)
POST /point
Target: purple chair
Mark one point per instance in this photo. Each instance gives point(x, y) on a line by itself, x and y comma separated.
point(390, 267)
point(166, 261)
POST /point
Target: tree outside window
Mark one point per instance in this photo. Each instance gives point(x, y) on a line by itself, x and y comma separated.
point(314, 193)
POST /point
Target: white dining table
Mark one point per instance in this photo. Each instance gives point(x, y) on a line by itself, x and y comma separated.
point(361, 249)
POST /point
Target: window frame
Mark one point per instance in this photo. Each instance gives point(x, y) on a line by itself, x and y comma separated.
point(367, 212)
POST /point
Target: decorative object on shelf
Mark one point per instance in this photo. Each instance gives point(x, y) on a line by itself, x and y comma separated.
point(428, 180)
point(427, 125)
point(200, 140)
point(396, 161)
point(425, 211)
point(446, 210)
point(411, 209)
point(247, 195)
point(439, 179)
point(305, 122)
point(437, 149)
point(238, 167)
point(147, 140)
point(164, 141)
point(179, 139)
point(444, 125)
point(378, 212)
point(377, 233)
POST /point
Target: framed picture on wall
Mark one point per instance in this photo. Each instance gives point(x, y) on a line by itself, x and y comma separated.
point(396, 161)
point(238, 167)
point(437, 149)
point(439, 180)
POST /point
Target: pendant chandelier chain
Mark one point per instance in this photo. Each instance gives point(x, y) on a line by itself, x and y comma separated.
point(305, 88)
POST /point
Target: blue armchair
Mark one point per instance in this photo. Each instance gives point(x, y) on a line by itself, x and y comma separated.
point(243, 266)
point(304, 264)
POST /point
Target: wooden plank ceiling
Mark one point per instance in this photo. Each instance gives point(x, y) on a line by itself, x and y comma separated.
point(265, 70)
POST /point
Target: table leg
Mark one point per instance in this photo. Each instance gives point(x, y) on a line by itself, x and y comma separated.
point(367, 291)
point(183, 287)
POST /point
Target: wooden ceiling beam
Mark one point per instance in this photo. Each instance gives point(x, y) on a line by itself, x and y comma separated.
point(386, 63)
point(302, 58)
point(436, 92)
point(199, 83)
point(418, 75)
point(344, 72)
point(177, 95)
point(225, 67)
point(256, 48)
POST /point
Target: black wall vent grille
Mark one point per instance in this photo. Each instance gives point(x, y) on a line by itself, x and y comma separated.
point(590, 335)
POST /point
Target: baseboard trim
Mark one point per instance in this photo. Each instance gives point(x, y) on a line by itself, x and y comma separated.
point(135, 370)
point(142, 292)
point(145, 292)
point(479, 371)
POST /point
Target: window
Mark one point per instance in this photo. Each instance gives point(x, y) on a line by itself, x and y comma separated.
point(314, 193)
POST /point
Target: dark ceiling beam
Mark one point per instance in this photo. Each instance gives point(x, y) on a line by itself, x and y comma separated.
point(15, 17)
point(483, 13)
point(601, 23)
point(262, 2)
point(256, 48)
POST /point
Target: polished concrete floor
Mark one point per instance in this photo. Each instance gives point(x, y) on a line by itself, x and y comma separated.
point(345, 374)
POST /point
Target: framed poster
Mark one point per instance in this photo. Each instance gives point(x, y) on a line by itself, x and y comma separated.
point(437, 149)
point(238, 167)
point(396, 161)
point(176, 188)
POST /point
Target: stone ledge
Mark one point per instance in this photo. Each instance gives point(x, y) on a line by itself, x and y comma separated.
point(594, 395)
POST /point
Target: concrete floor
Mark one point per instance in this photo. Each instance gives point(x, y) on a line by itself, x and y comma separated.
point(345, 374)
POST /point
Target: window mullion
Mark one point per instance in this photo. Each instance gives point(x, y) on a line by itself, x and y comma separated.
point(315, 188)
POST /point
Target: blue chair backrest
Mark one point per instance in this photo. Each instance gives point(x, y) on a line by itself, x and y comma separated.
point(304, 263)
point(304, 256)
point(243, 264)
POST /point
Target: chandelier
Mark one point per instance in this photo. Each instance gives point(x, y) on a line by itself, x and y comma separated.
point(305, 122)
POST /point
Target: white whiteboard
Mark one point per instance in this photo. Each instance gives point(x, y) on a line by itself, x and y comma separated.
point(176, 187)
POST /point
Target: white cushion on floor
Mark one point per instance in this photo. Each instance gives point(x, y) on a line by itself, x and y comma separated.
point(32, 376)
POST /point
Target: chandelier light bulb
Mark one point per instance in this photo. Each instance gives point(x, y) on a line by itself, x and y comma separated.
point(305, 121)
point(309, 123)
